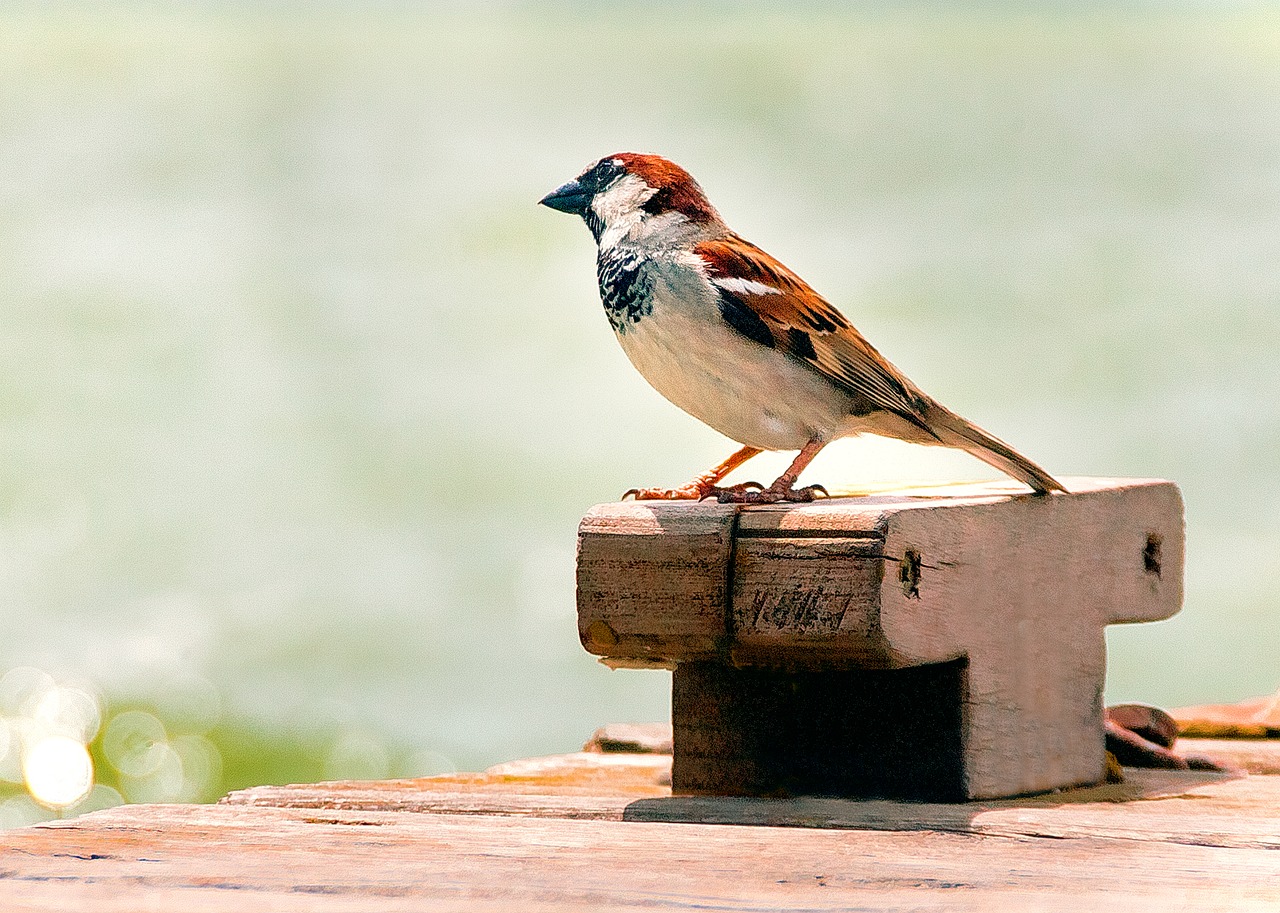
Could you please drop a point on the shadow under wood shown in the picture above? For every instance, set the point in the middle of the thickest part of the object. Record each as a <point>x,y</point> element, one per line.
<point>890,815</point>
<point>850,734</point>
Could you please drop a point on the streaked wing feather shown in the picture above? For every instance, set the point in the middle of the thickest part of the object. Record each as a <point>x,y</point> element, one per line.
<point>752,280</point>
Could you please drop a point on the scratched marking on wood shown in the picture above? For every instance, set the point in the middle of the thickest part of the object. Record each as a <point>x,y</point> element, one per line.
<point>843,574</point>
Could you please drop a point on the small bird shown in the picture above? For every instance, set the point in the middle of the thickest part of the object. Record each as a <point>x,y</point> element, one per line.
<point>740,342</point>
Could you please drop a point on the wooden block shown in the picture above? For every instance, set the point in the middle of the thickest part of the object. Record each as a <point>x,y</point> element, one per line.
<point>1019,587</point>
<point>653,584</point>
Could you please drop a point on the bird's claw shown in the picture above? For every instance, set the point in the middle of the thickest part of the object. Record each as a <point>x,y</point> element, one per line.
<point>730,494</point>
<point>695,491</point>
<point>742,493</point>
<point>774,494</point>
<point>690,492</point>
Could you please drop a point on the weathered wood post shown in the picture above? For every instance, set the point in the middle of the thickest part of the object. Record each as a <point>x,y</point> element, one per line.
<point>940,644</point>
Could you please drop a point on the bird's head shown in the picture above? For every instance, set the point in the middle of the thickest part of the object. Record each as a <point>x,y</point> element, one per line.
<point>630,194</point>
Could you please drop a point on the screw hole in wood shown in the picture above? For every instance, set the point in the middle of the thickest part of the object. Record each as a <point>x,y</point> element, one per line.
<point>1151,554</point>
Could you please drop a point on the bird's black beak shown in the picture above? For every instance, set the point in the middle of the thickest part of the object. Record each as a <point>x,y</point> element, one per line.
<point>572,198</point>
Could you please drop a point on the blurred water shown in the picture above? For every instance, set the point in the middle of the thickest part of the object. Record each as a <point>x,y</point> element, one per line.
<point>301,396</point>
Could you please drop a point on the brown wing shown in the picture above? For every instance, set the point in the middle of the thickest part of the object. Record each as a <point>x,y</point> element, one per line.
<point>767,302</point>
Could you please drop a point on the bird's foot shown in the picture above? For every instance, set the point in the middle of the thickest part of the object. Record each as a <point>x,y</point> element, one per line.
<point>697,490</point>
<point>737,494</point>
<point>777,492</point>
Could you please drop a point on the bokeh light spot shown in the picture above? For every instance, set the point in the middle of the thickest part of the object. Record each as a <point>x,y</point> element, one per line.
<point>20,811</point>
<point>58,771</point>
<point>135,743</point>
<point>23,687</point>
<point>100,797</point>
<point>201,767</point>
<point>163,781</point>
<point>357,756</point>
<point>71,712</point>
<point>6,744</point>
<point>427,763</point>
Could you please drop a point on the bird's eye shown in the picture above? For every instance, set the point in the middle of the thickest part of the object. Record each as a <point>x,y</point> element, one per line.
<point>605,173</point>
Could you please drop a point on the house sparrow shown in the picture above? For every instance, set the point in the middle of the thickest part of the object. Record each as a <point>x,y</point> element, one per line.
<point>737,340</point>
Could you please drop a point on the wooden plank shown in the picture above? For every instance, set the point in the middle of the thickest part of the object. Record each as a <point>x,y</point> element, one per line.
<point>631,738</point>
<point>1255,756</point>
<point>1115,546</point>
<point>547,834</point>
<point>1092,855</point>
<point>1252,755</point>
<point>579,785</point>
<point>1196,807</point>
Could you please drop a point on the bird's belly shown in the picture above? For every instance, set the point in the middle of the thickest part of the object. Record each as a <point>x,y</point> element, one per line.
<point>748,392</point>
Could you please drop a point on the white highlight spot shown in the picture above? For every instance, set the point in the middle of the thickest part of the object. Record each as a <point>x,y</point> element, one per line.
<point>58,771</point>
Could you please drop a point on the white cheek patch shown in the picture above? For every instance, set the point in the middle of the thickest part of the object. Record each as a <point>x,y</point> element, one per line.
<point>624,198</point>
<point>746,287</point>
<point>619,208</point>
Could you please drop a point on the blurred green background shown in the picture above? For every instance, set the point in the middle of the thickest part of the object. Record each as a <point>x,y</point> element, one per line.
<point>301,396</point>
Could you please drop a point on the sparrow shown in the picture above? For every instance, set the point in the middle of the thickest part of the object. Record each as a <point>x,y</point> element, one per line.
<point>736,339</point>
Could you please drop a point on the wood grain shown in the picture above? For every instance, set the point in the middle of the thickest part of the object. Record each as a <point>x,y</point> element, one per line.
<point>1161,841</point>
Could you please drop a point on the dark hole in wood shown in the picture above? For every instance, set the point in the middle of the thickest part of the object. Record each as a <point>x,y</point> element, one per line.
<point>909,574</point>
<point>864,733</point>
<point>1151,554</point>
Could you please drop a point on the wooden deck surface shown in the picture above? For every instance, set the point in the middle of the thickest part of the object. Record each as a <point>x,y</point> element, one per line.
<point>591,831</point>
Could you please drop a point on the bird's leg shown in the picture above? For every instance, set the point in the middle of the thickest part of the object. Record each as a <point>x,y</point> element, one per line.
<point>782,489</point>
<point>704,486</point>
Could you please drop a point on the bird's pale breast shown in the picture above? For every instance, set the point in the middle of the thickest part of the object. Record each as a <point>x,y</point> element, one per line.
<point>672,330</point>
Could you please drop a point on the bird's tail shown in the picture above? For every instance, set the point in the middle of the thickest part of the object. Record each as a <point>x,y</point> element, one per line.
<point>955,431</point>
